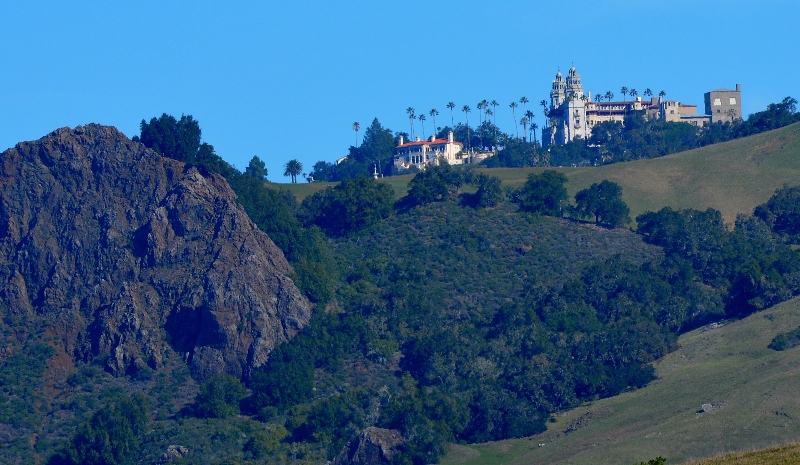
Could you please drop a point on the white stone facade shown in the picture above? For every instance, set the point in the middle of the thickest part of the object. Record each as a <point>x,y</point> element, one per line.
<point>573,114</point>
<point>422,153</point>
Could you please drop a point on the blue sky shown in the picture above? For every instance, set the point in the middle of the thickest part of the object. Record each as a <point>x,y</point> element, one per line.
<point>285,80</point>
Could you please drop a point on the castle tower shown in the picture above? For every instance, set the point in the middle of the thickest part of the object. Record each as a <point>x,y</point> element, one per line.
<point>574,84</point>
<point>724,105</point>
<point>558,92</point>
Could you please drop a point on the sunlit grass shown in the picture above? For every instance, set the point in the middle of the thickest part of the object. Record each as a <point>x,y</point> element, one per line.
<point>787,454</point>
<point>732,177</point>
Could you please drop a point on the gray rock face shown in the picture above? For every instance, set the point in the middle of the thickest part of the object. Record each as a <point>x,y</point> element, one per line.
<point>123,253</point>
<point>375,446</point>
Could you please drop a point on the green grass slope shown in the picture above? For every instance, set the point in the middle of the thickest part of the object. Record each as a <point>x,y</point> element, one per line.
<point>732,177</point>
<point>787,454</point>
<point>751,389</point>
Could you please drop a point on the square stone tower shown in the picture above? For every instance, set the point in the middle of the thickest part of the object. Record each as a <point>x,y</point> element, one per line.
<point>724,105</point>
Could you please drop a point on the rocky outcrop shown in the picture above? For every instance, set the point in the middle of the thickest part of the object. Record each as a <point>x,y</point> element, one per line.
<point>375,446</point>
<point>123,253</point>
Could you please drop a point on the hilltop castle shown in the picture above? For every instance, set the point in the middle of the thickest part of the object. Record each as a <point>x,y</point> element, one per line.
<point>573,114</point>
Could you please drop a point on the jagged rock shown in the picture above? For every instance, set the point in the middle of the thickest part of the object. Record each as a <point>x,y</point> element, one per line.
<point>123,253</point>
<point>173,453</point>
<point>375,446</point>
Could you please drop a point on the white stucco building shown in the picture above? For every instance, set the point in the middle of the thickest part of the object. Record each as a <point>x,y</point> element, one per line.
<point>422,153</point>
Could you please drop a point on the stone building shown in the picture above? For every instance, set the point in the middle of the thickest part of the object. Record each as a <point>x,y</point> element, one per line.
<point>573,113</point>
<point>724,105</point>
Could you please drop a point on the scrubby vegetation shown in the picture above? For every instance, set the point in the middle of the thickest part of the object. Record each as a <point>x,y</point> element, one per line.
<point>461,313</point>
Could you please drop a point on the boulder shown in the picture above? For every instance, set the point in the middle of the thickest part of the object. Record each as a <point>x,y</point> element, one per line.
<point>375,446</point>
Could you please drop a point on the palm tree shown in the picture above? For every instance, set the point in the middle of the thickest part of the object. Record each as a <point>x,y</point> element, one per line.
<point>356,127</point>
<point>489,112</point>
<point>609,95</point>
<point>524,101</point>
<point>513,106</point>
<point>411,117</point>
<point>434,113</point>
<point>421,119</point>
<point>598,97</point>
<point>543,103</point>
<point>529,114</point>
<point>293,168</point>
<point>524,123</point>
<point>662,94</point>
<point>485,104</point>
<point>480,121</point>
<point>534,127</point>
<point>494,105</point>
<point>731,112</point>
<point>647,92</point>
<point>624,91</point>
<point>633,95</point>
<point>466,109</point>
<point>451,105</point>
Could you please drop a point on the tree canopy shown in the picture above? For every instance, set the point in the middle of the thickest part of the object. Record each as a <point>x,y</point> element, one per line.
<point>220,397</point>
<point>112,433</point>
<point>436,183</point>
<point>177,139</point>
<point>544,193</point>
<point>351,205</point>
<point>293,168</point>
<point>257,169</point>
<point>782,212</point>
<point>603,201</point>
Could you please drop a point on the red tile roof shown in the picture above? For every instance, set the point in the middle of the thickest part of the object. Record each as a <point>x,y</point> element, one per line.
<point>427,142</point>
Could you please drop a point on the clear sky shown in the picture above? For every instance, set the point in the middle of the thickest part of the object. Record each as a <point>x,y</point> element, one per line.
<point>285,80</point>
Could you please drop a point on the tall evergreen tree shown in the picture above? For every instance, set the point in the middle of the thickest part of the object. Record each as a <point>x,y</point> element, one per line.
<point>256,169</point>
<point>176,139</point>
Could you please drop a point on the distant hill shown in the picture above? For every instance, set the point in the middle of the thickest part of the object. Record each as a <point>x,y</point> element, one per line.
<point>732,177</point>
<point>748,392</point>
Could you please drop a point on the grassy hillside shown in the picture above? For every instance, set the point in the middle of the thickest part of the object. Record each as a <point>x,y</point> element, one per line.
<point>750,388</point>
<point>780,455</point>
<point>732,177</point>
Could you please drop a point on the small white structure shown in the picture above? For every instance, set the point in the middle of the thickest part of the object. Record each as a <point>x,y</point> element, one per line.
<point>422,153</point>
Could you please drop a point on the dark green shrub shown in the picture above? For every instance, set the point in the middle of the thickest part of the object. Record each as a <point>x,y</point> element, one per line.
<point>220,397</point>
